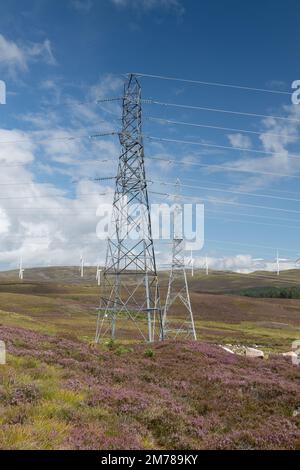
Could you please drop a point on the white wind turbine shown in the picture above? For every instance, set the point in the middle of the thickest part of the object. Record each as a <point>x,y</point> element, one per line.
<point>278,262</point>
<point>191,262</point>
<point>206,266</point>
<point>81,266</point>
<point>98,275</point>
<point>21,270</point>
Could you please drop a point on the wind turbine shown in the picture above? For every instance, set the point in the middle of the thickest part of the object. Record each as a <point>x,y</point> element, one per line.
<point>278,262</point>
<point>206,266</point>
<point>191,262</point>
<point>21,270</point>
<point>98,275</point>
<point>81,266</point>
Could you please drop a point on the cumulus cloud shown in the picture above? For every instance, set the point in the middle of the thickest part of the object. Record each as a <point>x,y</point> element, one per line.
<point>16,57</point>
<point>242,263</point>
<point>278,138</point>
<point>48,199</point>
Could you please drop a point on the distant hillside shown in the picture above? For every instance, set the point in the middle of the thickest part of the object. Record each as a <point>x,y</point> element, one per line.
<point>231,282</point>
<point>57,274</point>
<point>216,281</point>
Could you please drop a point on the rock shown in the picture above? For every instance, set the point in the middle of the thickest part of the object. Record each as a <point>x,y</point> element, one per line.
<point>227,349</point>
<point>252,352</point>
<point>290,354</point>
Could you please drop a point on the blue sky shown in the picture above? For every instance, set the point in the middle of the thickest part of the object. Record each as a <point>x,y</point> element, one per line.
<point>58,57</point>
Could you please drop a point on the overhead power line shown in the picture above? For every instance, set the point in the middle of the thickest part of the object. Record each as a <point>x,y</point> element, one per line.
<point>231,185</point>
<point>217,110</point>
<point>223,147</point>
<point>221,201</point>
<point>252,245</point>
<point>258,216</point>
<point>91,210</point>
<point>240,221</point>
<point>243,193</point>
<point>108,178</point>
<point>217,84</point>
<point>53,196</point>
<point>267,247</point>
<point>80,103</point>
<point>230,129</point>
<point>222,167</point>
<point>182,184</point>
<point>191,162</point>
<point>236,214</point>
<point>61,139</point>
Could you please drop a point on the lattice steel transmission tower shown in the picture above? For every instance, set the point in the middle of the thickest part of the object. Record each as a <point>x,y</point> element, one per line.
<point>175,322</point>
<point>130,299</point>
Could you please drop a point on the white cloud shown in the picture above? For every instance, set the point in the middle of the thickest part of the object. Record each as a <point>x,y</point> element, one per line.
<point>4,222</point>
<point>16,147</point>
<point>41,51</point>
<point>11,55</point>
<point>106,86</point>
<point>16,57</point>
<point>242,263</point>
<point>51,223</point>
<point>277,137</point>
<point>174,6</point>
<point>239,141</point>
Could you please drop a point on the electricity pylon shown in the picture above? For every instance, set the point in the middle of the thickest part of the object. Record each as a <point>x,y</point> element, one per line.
<point>181,325</point>
<point>130,300</point>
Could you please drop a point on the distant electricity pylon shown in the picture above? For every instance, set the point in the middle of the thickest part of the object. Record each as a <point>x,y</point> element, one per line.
<point>130,300</point>
<point>181,325</point>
